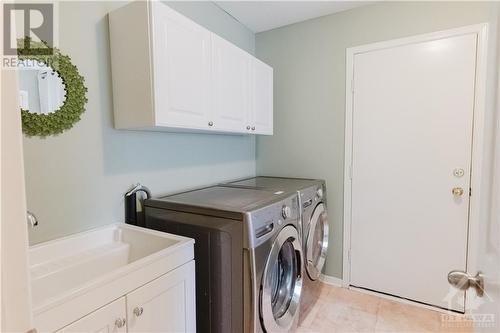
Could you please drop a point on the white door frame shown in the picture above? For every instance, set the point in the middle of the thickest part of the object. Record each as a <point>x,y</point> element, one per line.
<point>477,138</point>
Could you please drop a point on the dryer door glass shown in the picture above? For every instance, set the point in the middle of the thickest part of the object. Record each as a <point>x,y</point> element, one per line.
<point>282,282</point>
<point>317,242</point>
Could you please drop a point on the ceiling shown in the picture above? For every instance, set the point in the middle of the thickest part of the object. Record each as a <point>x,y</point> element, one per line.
<point>260,16</point>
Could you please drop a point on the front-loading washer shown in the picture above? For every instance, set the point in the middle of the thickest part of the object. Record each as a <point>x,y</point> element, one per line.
<point>277,260</point>
<point>314,227</point>
<point>248,255</point>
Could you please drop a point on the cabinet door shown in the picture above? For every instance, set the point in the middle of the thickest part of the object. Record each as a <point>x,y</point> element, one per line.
<point>166,304</point>
<point>262,93</point>
<point>231,86</point>
<point>181,69</point>
<point>109,318</point>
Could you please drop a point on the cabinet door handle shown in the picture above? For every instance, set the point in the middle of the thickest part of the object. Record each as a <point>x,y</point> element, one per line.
<point>120,322</point>
<point>138,311</point>
<point>210,123</point>
<point>248,127</point>
<point>253,128</point>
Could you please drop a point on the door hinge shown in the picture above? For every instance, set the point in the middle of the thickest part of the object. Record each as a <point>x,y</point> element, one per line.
<point>470,192</point>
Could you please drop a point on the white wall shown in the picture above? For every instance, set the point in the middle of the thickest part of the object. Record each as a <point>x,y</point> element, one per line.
<point>309,68</point>
<point>76,181</point>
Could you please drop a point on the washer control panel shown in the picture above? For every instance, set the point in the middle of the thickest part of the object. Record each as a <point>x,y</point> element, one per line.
<point>265,222</point>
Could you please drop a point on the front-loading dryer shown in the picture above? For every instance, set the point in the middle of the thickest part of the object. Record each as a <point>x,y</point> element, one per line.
<point>314,227</point>
<point>315,240</point>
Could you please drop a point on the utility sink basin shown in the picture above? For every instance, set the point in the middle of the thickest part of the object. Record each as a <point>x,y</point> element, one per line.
<point>72,266</point>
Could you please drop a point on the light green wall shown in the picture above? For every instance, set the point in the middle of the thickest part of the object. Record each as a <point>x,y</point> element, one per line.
<point>309,81</point>
<point>76,181</point>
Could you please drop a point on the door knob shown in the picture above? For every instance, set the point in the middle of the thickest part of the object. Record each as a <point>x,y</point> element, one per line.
<point>463,281</point>
<point>457,191</point>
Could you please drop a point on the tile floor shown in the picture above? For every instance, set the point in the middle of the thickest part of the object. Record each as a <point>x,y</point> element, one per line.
<point>343,310</point>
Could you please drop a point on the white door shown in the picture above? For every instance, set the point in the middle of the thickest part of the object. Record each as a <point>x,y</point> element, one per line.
<point>14,273</point>
<point>231,86</point>
<point>166,304</point>
<point>411,146</point>
<point>181,60</point>
<point>262,104</point>
<point>110,318</point>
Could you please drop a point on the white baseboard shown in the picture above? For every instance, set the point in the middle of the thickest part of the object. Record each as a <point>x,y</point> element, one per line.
<point>331,280</point>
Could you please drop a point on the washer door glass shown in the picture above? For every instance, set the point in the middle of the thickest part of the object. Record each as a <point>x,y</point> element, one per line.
<point>317,242</point>
<point>282,282</point>
<point>283,274</point>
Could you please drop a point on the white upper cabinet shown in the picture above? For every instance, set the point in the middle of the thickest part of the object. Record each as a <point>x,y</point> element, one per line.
<point>169,73</point>
<point>181,62</point>
<point>262,94</point>
<point>231,86</point>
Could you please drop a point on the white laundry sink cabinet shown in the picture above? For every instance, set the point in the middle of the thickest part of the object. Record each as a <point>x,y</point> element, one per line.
<point>118,278</point>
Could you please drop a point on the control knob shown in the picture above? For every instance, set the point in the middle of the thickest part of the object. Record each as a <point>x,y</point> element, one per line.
<point>319,193</point>
<point>286,211</point>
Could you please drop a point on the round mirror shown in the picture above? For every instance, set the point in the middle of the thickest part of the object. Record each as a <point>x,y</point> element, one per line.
<point>41,89</point>
<point>52,92</point>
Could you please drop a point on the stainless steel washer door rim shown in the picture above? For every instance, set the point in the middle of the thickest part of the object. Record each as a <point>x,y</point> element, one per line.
<point>317,242</point>
<point>282,282</point>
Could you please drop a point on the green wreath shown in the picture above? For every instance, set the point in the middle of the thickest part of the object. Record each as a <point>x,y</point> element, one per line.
<point>75,91</point>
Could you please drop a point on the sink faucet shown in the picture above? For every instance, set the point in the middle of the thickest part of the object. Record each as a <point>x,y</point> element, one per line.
<point>132,216</point>
<point>31,219</point>
<point>139,188</point>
